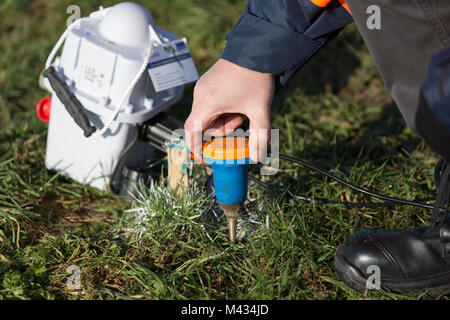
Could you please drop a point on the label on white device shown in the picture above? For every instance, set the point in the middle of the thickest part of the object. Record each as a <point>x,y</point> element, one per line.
<point>171,65</point>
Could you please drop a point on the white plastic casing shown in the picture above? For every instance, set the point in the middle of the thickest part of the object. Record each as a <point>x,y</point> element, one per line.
<point>99,60</point>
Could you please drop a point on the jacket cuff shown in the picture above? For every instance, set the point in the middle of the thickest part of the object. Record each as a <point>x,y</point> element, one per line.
<point>260,45</point>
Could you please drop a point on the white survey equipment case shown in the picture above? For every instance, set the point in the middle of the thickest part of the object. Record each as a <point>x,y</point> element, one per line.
<point>100,58</point>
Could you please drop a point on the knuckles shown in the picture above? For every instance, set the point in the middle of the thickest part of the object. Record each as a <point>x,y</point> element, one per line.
<point>204,94</point>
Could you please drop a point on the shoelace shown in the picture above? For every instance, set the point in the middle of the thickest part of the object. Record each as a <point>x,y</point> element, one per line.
<point>442,204</point>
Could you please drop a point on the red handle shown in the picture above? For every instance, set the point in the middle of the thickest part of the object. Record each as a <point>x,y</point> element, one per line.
<point>43,109</point>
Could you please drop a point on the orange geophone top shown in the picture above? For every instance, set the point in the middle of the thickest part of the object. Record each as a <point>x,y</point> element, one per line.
<point>226,148</point>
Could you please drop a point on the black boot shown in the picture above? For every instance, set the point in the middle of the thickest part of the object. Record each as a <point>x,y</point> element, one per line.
<point>413,260</point>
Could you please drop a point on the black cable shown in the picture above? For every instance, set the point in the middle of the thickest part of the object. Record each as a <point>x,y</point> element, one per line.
<point>352,186</point>
<point>326,201</point>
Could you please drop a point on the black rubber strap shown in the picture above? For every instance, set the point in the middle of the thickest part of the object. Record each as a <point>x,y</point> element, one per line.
<point>70,101</point>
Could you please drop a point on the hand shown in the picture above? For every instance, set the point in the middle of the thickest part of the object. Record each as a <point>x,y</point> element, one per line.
<point>223,97</point>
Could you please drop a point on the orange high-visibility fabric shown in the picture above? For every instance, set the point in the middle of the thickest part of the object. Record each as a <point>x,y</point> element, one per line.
<point>324,3</point>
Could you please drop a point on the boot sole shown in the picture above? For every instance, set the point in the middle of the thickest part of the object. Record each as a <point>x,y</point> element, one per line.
<point>354,278</point>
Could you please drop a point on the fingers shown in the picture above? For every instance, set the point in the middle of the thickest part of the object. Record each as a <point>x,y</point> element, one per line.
<point>222,126</point>
<point>259,136</point>
<point>226,124</point>
<point>203,122</point>
<point>194,127</point>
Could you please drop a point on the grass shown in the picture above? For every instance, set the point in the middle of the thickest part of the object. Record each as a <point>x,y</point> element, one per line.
<point>336,113</point>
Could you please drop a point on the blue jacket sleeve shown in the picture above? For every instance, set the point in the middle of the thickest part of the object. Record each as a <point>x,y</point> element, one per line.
<point>280,36</point>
